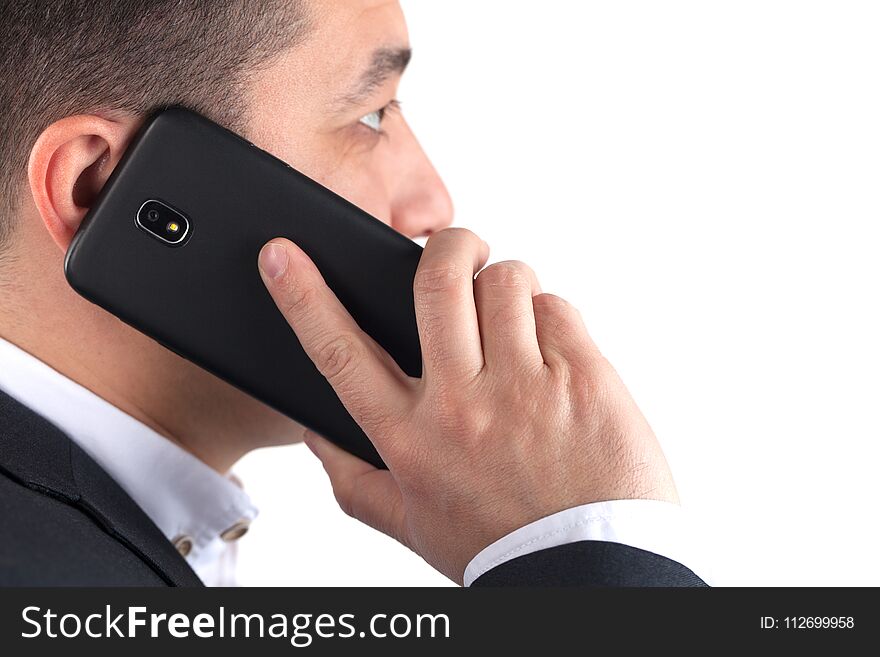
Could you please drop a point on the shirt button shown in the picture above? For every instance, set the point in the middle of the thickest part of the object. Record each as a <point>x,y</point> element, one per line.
<point>237,530</point>
<point>183,544</point>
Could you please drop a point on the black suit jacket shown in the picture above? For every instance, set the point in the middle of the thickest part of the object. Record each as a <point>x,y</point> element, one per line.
<point>66,522</point>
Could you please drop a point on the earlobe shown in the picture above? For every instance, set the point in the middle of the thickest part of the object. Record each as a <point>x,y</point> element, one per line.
<point>68,166</point>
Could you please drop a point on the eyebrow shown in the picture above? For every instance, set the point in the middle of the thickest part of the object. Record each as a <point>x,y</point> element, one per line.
<point>384,63</point>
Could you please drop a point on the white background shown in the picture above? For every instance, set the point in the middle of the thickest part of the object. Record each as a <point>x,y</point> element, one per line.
<point>702,179</point>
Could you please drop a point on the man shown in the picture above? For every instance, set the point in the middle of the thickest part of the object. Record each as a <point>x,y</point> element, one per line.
<point>518,457</point>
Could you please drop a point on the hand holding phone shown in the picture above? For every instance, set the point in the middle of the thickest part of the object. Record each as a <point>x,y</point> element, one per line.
<point>516,416</point>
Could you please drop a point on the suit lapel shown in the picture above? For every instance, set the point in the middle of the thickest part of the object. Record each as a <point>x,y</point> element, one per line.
<point>42,457</point>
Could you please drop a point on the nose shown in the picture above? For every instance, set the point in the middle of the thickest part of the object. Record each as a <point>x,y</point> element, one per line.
<point>421,204</point>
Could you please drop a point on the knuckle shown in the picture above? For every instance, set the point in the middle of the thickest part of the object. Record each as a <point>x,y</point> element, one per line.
<point>507,274</point>
<point>560,317</point>
<point>551,304</point>
<point>338,357</point>
<point>439,277</point>
<point>460,428</point>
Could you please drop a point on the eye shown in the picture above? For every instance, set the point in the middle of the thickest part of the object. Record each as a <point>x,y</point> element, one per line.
<point>374,120</point>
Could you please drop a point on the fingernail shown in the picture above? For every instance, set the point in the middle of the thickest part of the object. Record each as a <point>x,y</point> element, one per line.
<point>273,260</point>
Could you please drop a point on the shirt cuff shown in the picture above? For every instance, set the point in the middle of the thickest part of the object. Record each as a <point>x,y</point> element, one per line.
<point>659,527</point>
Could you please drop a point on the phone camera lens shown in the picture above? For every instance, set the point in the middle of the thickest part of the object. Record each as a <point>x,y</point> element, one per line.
<point>164,222</point>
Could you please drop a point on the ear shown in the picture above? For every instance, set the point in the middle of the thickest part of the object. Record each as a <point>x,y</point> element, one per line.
<point>68,166</point>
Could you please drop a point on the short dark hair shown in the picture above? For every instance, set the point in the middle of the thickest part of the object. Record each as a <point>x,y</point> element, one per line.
<point>64,57</point>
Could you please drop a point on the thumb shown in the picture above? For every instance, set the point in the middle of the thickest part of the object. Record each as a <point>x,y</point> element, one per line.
<point>362,491</point>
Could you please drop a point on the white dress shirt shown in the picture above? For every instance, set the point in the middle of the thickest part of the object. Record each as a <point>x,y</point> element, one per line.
<point>192,504</point>
<point>202,512</point>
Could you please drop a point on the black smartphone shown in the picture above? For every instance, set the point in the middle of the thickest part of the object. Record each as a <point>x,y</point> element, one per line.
<point>171,244</point>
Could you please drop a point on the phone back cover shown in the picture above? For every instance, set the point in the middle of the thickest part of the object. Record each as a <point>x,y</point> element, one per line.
<point>205,299</point>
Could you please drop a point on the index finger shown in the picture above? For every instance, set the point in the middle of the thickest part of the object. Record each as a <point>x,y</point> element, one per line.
<point>368,382</point>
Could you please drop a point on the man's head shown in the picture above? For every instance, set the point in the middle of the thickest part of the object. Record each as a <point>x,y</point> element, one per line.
<point>313,82</point>
<point>67,57</point>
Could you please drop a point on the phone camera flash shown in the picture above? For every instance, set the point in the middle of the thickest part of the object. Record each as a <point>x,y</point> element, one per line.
<point>163,222</point>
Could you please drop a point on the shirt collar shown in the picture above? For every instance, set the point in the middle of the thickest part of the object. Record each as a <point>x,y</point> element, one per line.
<point>183,496</point>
